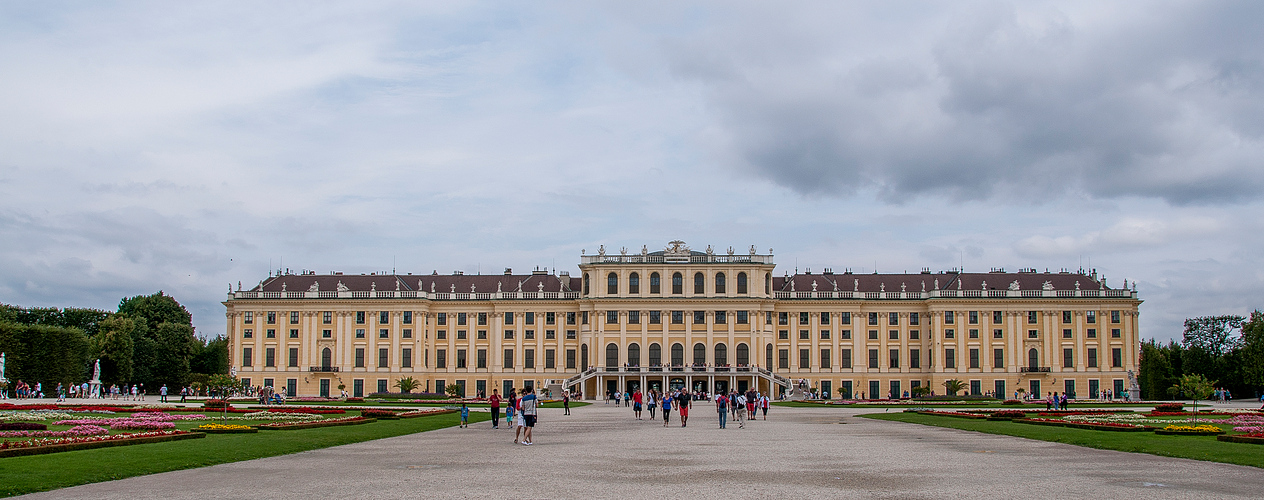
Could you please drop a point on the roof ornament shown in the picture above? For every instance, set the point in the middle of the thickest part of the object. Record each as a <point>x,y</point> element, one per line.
<point>238,285</point>
<point>498,287</point>
<point>342,287</point>
<point>539,287</point>
<point>315,287</point>
<point>1077,286</point>
<point>903,288</point>
<point>882,287</point>
<point>813,285</point>
<point>1015,286</point>
<point>471,288</point>
<point>373,286</point>
<point>1134,285</point>
<point>985,285</point>
<point>453,288</point>
<point>1102,285</point>
<point>855,285</point>
<point>283,284</point>
<point>1125,283</point>
<point>1048,285</point>
<point>601,251</point>
<point>676,248</point>
<point>230,287</point>
<point>730,250</point>
<point>519,285</point>
<point>623,251</point>
<point>752,250</point>
<point>936,283</point>
<point>923,286</point>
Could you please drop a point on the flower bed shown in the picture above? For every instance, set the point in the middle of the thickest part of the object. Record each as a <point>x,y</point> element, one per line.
<point>957,414</point>
<point>225,429</point>
<point>286,426</point>
<point>1006,415</point>
<point>300,409</point>
<point>1210,414</point>
<point>1257,438</point>
<point>1169,407</point>
<point>78,430</point>
<point>380,414</point>
<point>424,411</point>
<point>1098,426</point>
<point>54,445</point>
<point>1189,430</point>
<point>22,426</point>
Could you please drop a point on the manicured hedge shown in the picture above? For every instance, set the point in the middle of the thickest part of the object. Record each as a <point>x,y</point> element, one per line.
<point>1241,439</point>
<point>57,448</point>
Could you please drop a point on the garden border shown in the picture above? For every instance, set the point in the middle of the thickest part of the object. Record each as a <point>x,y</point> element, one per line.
<point>57,448</point>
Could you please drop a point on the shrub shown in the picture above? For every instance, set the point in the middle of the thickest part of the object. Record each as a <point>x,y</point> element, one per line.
<point>1012,402</point>
<point>378,414</point>
<point>1169,407</point>
<point>1009,414</point>
<point>216,404</point>
<point>22,426</point>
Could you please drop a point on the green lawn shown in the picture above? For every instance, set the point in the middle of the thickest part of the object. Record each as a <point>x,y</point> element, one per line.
<point>1195,447</point>
<point>58,470</point>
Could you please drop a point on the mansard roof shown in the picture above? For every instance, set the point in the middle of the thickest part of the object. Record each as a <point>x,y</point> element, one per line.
<point>482,283</point>
<point>914,282</point>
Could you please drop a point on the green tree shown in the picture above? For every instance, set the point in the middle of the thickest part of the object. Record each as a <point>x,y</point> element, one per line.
<point>953,386</point>
<point>407,384</point>
<point>210,356</point>
<point>1196,387</point>
<point>453,390</point>
<point>1253,350</point>
<point>156,309</point>
<point>113,346</point>
<point>173,347</point>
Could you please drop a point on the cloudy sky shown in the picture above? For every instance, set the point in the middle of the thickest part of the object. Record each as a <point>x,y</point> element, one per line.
<point>185,146</point>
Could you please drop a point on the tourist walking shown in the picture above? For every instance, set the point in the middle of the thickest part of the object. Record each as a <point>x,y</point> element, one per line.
<point>566,403</point>
<point>683,401</point>
<point>494,402</point>
<point>529,404</point>
<point>667,404</point>
<point>162,393</point>
<point>741,410</point>
<point>763,405</point>
<point>651,402</point>
<point>465,416</point>
<point>722,407</point>
<point>636,403</point>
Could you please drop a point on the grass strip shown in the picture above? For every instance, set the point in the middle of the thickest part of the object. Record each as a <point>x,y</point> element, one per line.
<point>30,474</point>
<point>1205,448</point>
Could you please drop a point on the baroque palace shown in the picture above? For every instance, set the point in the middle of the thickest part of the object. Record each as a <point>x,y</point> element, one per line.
<point>683,318</point>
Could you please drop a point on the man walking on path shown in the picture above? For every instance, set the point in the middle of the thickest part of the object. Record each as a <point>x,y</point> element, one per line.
<point>528,403</point>
<point>566,403</point>
<point>722,407</point>
<point>162,393</point>
<point>636,403</point>
<point>682,403</point>
<point>494,402</point>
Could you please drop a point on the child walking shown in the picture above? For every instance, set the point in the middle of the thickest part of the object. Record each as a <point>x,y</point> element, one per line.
<point>465,415</point>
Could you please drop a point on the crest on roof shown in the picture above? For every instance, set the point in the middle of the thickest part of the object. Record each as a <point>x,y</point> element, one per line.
<point>676,248</point>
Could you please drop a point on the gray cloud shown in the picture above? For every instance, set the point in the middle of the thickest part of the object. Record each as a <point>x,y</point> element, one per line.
<point>1025,102</point>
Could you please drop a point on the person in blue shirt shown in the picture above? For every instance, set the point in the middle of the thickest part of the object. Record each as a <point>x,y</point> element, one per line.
<point>667,404</point>
<point>465,416</point>
<point>529,405</point>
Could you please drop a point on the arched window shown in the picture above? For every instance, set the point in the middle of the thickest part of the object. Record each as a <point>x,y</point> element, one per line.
<point>585,283</point>
<point>719,283</point>
<point>768,357</point>
<point>612,284</point>
<point>634,354</point>
<point>634,283</point>
<point>721,354</point>
<point>699,354</point>
<point>656,354</point>
<point>612,355</point>
<point>743,355</point>
<point>326,358</point>
<point>655,283</point>
<point>768,284</point>
<point>583,357</point>
<point>699,283</point>
<point>1033,358</point>
<point>741,283</point>
<point>678,284</point>
<point>678,354</point>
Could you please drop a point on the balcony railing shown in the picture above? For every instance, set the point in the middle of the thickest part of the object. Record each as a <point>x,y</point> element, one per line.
<point>676,259</point>
<point>323,369</point>
<point>848,294</point>
<point>403,294</point>
<point>1035,369</point>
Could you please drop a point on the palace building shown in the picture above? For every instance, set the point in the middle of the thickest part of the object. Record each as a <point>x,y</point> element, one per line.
<point>683,318</point>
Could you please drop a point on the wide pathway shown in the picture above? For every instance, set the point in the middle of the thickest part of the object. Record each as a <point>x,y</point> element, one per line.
<point>600,451</point>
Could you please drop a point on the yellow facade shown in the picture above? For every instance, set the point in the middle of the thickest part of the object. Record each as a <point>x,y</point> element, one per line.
<point>686,318</point>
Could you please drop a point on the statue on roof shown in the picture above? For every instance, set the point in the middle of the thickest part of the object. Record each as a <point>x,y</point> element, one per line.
<point>644,250</point>
<point>396,285</point>
<point>791,284</point>
<point>710,251</point>
<point>498,287</point>
<point>676,248</point>
<point>984,285</point>
<point>855,285</point>
<point>730,251</point>
<point>936,283</point>
<point>373,286</point>
<point>453,288</point>
<point>752,250</point>
<point>958,282</point>
<point>540,287</point>
<point>623,251</point>
<point>283,286</point>
<point>1048,285</point>
<point>315,287</point>
<point>1015,286</point>
<point>903,287</point>
<point>882,287</point>
<point>471,288</point>
<point>923,286</point>
<point>519,285</point>
<point>601,251</point>
<point>813,285</point>
<point>1077,286</point>
<point>342,287</point>
<point>835,282</point>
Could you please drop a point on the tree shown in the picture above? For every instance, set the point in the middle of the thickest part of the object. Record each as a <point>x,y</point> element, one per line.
<point>407,384</point>
<point>113,346</point>
<point>210,356</point>
<point>156,309</point>
<point>222,386</point>
<point>921,390</point>
<point>453,390</point>
<point>173,347</point>
<point>843,393</point>
<point>1196,387</point>
<point>953,386</point>
<point>1253,350</point>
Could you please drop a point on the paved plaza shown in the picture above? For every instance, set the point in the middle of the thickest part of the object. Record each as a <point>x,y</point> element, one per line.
<point>600,451</point>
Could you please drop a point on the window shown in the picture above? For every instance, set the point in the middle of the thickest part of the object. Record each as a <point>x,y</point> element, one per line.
<point>528,334</point>
<point>743,355</point>
<point>893,319</point>
<point>550,359</point>
<point>585,283</point>
<point>1091,333</point>
<point>783,318</point>
<point>269,357</point>
<point>846,360</point>
<point>550,318</point>
<point>294,317</point>
<point>844,334</point>
<point>743,317</point>
<point>1066,316</point>
<point>678,284</point>
<point>570,335</point>
<point>1115,333</point>
<point>1032,317</point>
<point>1114,316</point>
<point>382,385</point>
<point>656,317</point>
<point>844,318</point>
<point>1033,334</point>
<point>677,354</point>
<point>570,318</point>
<point>699,284</point>
<point>460,318</point>
<point>1068,358</point>
<point>825,334</point>
<point>719,283</point>
<point>384,360</point>
<point>721,317</point>
<point>949,333</point>
<point>509,334</point>
<point>359,318</point>
<point>873,358</point>
<point>950,317</point>
<point>249,317</point>
<point>974,358</point>
<point>873,335</point>
<point>508,359</point>
<point>247,356</point>
<point>406,357</point>
<point>805,335</point>
<point>550,334</point>
<point>783,334</point>
<point>359,357</point>
<point>974,317</point>
<point>408,318</point>
<point>291,386</point>
<point>383,333</point>
<point>612,317</point>
<point>783,359</point>
<point>741,283</point>
<point>895,358</point>
<point>612,355</point>
<point>408,333</point>
<point>570,359</point>
<point>1116,358</point>
<point>678,317</point>
<point>655,285</point>
<point>509,317</point>
<point>482,319</point>
<point>359,333</point>
<point>998,333</point>
<point>998,358</point>
<point>441,334</point>
<point>528,358</point>
<point>612,284</point>
<point>1092,357</point>
<point>767,283</point>
<point>699,354</point>
<point>915,334</point>
<point>460,335</point>
<point>805,359</point>
<point>271,317</point>
<point>1066,333</point>
<point>293,361</point>
<point>915,358</point>
<point>825,318</point>
<point>1033,358</point>
<point>873,319</point>
<point>721,355</point>
<point>383,317</point>
<point>974,333</point>
<point>634,283</point>
<point>441,319</point>
<point>441,357</point>
<point>271,333</point>
<point>950,358</point>
<point>914,319</point>
<point>803,318</point>
<point>248,333</point>
<point>1090,317</point>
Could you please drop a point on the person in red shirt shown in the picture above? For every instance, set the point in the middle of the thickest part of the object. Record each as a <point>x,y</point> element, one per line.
<point>636,403</point>
<point>494,401</point>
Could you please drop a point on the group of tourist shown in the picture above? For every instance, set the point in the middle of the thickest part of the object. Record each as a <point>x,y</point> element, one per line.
<point>520,412</point>
<point>1223,396</point>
